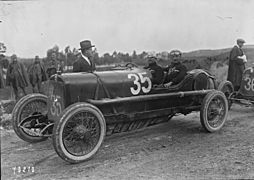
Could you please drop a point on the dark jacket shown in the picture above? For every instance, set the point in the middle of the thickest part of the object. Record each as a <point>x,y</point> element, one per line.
<point>16,75</point>
<point>37,76</point>
<point>236,66</point>
<point>177,74</point>
<point>81,65</point>
<point>157,73</point>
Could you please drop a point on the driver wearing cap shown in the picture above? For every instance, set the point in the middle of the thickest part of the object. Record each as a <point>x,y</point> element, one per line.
<point>176,71</point>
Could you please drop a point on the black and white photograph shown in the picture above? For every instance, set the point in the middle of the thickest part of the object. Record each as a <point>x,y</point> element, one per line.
<point>126,89</point>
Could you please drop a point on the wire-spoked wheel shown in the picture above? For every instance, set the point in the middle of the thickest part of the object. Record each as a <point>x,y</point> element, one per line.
<point>32,107</point>
<point>79,133</point>
<point>214,111</point>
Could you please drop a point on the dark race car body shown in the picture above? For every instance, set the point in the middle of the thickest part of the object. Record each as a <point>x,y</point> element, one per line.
<point>247,85</point>
<point>245,95</point>
<point>81,108</point>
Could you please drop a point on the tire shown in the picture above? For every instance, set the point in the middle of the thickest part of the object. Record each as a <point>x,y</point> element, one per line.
<point>227,88</point>
<point>18,110</point>
<point>214,111</point>
<point>79,133</point>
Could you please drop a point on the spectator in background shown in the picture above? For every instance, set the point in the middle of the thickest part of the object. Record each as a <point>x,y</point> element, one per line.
<point>237,61</point>
<point>4,63</point>
<point>85,62</point>
<point>156,70</point>
<point>2,84</point>
<point>37,74</point>
<point>53,65</point>
<point>176,71</point>
<point>16,76</point>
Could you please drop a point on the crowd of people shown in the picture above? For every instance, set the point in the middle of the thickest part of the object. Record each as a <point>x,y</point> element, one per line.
<point>173,74</point>
<point>18,77</point>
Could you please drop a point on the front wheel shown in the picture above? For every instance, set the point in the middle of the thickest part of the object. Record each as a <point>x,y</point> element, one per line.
<point>79,133</point>
<point>214,111</point>
<point>31,107</point>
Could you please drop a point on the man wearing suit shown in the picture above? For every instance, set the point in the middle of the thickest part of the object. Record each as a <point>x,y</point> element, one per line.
<point>237,61</point>
<point>85,62</point>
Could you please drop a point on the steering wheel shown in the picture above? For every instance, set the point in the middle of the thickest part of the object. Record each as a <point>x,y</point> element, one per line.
<point>131,65</point>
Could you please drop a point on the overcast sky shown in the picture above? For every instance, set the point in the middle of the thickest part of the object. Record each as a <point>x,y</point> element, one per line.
<point>30,28</point>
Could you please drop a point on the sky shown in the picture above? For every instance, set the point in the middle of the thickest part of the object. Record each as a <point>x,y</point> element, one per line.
<point>29,28</point>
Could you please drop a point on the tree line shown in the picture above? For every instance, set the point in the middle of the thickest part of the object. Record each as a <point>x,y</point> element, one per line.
<point>69,55</point>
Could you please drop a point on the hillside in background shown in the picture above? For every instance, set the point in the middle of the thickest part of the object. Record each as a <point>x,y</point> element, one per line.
<point>215,61</point>
<point>213,52</point>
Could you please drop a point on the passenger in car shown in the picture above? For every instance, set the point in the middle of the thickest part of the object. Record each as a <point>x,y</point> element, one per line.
<point>176,71</point>
<point>156,70</point>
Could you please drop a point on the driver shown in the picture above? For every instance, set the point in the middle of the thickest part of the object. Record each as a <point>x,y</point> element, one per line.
<point>176,71</point>
<point>156,70</point>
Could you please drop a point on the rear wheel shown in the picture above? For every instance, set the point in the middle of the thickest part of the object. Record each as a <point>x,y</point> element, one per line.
<point>79,133</point>
<point>32,105</point>
<point>227,88</point>
<point>214,111</point>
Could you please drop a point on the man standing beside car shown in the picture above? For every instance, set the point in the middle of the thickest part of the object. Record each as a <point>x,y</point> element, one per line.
<point>236,66</point>
<point>17,76</point>
<point>37,74</point>
<point>85,62</point>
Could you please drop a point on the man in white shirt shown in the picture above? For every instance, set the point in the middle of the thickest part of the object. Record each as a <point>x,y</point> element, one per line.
<point>85,62</point>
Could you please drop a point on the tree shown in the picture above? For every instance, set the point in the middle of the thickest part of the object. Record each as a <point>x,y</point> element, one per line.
<point>2,48</point>
<point>134,55</point>
<point>97,59</point>
<point>55,49</point>
<point>107,58</point>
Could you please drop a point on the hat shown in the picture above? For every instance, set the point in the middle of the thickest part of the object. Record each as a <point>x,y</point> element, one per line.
<point>175,53</point>
<point>14,56</point>
<point>86,44</point>
<point>240,41</point>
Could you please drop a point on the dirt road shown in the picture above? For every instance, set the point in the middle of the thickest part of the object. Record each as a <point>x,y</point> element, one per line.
<point>179,149</point>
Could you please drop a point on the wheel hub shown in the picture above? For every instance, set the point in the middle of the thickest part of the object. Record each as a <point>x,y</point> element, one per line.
<point>81,130</point>
<point>215,113</point>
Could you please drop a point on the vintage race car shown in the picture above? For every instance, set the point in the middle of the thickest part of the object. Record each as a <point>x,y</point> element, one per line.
<point>245,95</point>
<point>82,108</point>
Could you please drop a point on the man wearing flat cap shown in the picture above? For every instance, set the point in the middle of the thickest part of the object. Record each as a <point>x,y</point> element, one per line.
<point>85,62</point>
<point>237,61</point>
<point>176,71</point>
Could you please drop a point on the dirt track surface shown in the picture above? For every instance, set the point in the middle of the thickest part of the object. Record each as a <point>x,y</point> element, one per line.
<point>179,149</point>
